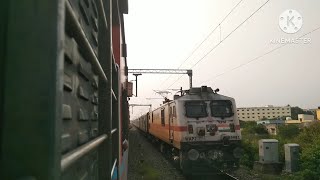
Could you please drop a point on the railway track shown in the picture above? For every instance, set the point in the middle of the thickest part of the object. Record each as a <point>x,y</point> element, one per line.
<point>229,176</point>
<point>222,176</point>
<point>198,176</point>
<point>210,176</point>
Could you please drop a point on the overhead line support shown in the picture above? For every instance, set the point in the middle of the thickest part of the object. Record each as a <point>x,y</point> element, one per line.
<point>136,72</point>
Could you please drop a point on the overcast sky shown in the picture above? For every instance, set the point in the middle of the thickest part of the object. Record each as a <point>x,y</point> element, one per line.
<point>163,34</point>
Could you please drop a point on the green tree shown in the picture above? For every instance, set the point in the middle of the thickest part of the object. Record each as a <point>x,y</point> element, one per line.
<point>309,140</point>
<point>288,131</point>
<point>309,135</point>
<point>260,129</point>
<point>253,128</point>
<point>296,110</point>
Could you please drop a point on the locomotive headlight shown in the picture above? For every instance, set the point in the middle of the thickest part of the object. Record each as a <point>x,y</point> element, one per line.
<point>193,154</point>
<point>237,152</point>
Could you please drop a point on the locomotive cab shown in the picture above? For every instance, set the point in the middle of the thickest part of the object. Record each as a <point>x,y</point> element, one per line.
<point>199,129</point>
<point>212,136</point>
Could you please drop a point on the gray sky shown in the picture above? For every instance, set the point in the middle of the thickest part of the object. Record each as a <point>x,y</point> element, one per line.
<point>163,33</point>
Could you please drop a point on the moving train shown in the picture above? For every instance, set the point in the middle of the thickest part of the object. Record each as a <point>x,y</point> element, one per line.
<point>63,96</point>
<point>199,129</point>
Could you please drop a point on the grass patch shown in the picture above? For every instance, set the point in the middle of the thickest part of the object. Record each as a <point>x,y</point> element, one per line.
<point>148,172</point>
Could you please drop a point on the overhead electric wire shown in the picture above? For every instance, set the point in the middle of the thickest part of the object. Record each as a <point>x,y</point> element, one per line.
<point>175,81</point>
<point>211,33</point>
<point>224,38</point>
<point>206,38</point>
<point>229,34</point>
<point>258,57</point>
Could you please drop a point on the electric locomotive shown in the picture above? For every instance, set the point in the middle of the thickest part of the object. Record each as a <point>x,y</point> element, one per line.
<point>199,129</point>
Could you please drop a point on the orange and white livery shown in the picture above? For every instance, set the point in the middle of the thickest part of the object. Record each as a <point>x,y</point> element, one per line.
<point>199,129</point>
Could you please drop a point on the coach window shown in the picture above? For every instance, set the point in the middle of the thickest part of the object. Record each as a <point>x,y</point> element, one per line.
<point>162,117</point>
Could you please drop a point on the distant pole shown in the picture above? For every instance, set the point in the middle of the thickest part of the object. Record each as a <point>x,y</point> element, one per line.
<point>138,74</point>
<point>136,85</point>
<point>189,72</point>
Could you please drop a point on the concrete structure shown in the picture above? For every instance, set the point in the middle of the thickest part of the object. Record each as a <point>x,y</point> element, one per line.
<point>318,113</point>
<point>302,117</point>
<point>272,128</point>
<point>271,125</point>
<point>260,113</point>
<point>291,152</point>
<point>271,122</point>
<point>268,151</point>
<point>268,157</point>
<point>298,121</point>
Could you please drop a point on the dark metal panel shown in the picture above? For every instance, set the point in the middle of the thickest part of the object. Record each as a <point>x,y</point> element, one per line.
<point>57,100</point>
<point>117,144</point>
<point>33,90</point>
<point>85,73</point>
<point>4,7</point>
<point>76,30</point>
<point>105,95</point>
<point>123,6</point>
<point>86,11</point>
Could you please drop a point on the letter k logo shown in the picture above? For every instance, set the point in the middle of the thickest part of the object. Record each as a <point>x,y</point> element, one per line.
<point>290,21</point>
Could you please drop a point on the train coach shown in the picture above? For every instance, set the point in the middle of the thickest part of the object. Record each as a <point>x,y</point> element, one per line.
<point>199,129</point>
<point>63,96</point>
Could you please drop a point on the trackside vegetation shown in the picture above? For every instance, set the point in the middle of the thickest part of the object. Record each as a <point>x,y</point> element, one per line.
<point>308,137</point>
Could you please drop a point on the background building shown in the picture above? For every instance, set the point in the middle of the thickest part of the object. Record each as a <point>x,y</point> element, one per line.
<point>263,113</point>
<point>263,122</point>
<point>305,117</point>
<point>318,113</point>
<point>272,128</point>
<point>302,118</point>
<point>271,125</point>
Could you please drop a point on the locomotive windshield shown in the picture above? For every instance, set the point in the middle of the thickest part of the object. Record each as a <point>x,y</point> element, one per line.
<point>221,108</point>
<point>196,109</point>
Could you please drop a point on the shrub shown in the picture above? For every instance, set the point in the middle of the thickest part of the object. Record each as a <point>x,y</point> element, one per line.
<point>309,140</point>
<point>288,131</point>
<point>250,153</point>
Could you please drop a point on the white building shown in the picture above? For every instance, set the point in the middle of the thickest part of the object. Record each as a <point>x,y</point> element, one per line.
<point>260,113</point>
<point>302,117</point>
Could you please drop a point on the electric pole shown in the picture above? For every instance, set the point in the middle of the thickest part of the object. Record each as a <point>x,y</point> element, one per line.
<point>138,72</point>
<point>136,75</point>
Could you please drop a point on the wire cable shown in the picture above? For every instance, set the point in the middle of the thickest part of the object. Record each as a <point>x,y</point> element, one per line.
<point>229,34</point>
<point>258,57</point>
<point>225,38</point>
<point>211,33</point>
<point>206,38</point>
<point>175,81</point>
